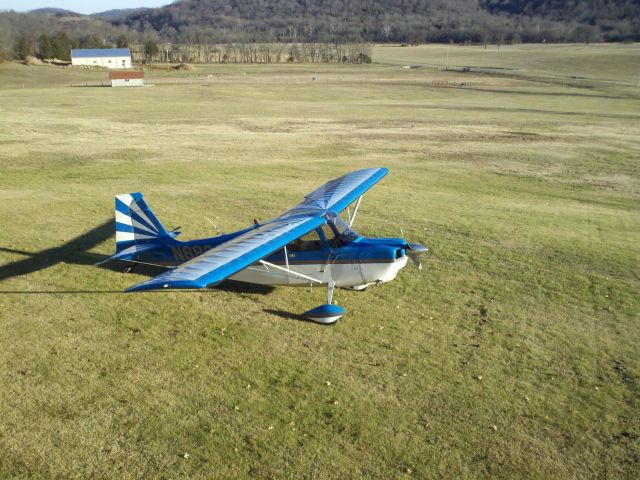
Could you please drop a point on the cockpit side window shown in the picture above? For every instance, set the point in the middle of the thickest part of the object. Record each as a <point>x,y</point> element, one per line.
<point>345,233</point>
<point>310,241</point>
<point>330,236</point>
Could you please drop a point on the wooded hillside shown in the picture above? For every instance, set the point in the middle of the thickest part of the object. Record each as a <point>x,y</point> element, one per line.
<point>202,22</point>
<point>414,21</point>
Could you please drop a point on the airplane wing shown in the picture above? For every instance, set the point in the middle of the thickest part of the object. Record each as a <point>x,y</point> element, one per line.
<point>221,262</point>
<point>338,194</point>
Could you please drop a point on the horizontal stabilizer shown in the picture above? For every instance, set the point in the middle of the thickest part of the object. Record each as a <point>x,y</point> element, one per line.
<point>130,252</point>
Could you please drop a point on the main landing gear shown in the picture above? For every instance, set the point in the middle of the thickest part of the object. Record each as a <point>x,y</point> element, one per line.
<point>327,313</point>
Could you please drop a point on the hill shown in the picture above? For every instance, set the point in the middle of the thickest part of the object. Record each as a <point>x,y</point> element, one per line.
<point>117,13</point>
<point>415,21</point>
<point>58,12</point>
<point>330,21</point>
<point>616,19</point>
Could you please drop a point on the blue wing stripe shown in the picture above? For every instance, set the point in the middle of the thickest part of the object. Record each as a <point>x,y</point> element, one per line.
<point>340,201</point>
<point>231,257</point>
<point>338,194</point>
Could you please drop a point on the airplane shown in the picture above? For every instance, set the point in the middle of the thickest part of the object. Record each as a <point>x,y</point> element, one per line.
<point>307,244</point>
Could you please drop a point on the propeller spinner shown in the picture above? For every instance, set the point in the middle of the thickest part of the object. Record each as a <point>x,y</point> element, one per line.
<point>414,250</point>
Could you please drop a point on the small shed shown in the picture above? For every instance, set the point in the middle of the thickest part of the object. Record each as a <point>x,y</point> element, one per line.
<point>127,79</point>
<point>101,57</point>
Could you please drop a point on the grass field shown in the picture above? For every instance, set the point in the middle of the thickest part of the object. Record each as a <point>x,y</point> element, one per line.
<point>619,63</point>
<point>514,354</point>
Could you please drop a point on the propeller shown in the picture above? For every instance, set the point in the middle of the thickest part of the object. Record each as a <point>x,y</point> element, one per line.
<point>414,250</point>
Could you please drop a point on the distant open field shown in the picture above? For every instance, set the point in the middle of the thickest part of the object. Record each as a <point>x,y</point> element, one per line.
<point>615,63</point>
<point>513,354</point>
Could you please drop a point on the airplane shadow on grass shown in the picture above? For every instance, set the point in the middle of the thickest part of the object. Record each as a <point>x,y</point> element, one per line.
<point>76,252</point>
<point>288,315</point>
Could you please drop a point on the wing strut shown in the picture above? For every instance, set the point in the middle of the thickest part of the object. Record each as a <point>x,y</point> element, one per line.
<point>292,272</point>
<point>355,211</point>
<point>330,288</point>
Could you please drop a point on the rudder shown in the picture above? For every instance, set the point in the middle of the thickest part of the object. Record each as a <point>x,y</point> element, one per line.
<point>136,224</point>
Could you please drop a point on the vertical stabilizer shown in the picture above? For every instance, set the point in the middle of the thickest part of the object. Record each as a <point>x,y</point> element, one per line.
<point>136,224</point>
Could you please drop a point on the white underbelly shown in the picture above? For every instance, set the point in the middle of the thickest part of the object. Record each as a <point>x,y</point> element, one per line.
<point>264,275</point>
<point>343,274</point>
<point>382,272</point>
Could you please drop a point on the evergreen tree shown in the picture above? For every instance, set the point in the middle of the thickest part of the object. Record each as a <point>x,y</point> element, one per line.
<point>23,48</point>
<point>62,46</point>
<point>45,48</point>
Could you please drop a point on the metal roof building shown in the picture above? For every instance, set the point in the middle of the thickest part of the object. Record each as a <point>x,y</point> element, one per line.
<point>101,57</point>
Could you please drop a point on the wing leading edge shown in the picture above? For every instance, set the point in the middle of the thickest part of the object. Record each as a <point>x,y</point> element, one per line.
<point>229,258</point>
<point>338,194</point>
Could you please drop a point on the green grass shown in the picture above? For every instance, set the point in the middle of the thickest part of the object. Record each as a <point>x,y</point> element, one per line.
<point>513,354</point>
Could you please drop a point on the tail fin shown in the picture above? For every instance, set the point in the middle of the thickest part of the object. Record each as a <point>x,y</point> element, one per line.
<point>135,222</point>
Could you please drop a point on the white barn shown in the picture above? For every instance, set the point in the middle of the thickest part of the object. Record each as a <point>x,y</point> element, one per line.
<point>101,57</point>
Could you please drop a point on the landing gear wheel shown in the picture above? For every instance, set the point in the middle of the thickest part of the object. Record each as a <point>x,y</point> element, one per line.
<point>327,313</point>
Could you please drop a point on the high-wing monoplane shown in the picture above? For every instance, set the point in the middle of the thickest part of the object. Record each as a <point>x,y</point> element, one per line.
<point>308,244</point>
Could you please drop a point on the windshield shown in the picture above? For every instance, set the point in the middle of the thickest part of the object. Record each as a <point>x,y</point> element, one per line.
<point>344,232</point>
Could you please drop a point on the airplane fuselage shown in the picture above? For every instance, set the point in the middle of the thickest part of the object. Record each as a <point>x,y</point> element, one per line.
<point>329,253</point>
<point>361,263</point>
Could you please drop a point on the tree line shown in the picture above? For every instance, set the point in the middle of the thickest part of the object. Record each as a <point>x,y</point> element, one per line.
<point>58,45</point>
<point>308,52</point>
<point>146,49</point>
<point>23,34</point>
<point>249,26</point>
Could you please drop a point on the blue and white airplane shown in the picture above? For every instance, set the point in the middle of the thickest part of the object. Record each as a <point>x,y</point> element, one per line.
<point>308,244</point>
